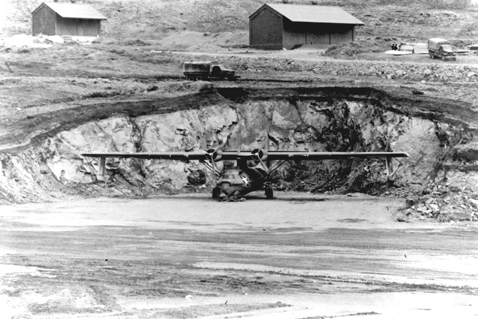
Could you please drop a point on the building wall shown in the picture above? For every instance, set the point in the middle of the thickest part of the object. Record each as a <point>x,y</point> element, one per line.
<point>342,33</point>
<point>294,33</point>
<point>265,30</point>
<point>66,26</point>
<point>77,27</point>
<point>305,33</point>
<point>43,21</point>
<point>315,33</point>
<point>89,28</point>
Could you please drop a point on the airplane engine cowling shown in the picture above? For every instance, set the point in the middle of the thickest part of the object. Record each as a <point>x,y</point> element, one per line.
<point>215,155</point>
<point>260,154</point>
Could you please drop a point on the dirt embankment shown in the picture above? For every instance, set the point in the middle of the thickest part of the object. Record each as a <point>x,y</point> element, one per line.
<point>296,118</point>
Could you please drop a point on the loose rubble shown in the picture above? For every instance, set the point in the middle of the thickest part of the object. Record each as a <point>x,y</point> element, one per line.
<point>435,72</point>
<point>444,203</point>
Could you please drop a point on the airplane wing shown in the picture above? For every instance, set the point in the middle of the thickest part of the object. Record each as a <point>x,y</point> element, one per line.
<point>287,155</point>
<point>273,155</point>
<point>154,155</point>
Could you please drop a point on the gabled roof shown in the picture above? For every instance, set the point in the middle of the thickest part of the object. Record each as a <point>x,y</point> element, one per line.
<point>73,10</point>
<point>311,13</point>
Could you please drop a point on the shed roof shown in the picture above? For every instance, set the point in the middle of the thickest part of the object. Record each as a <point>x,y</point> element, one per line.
<point>73,10</point>
<point>312,13</point>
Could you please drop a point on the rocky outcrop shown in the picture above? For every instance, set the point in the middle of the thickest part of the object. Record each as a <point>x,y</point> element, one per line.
<point>467,153</point>
<point>314,120</point>
<point>434,71</point>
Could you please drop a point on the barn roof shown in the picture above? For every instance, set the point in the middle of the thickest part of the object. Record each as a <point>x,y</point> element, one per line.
<point>312,13</point>
<point>73,10</point>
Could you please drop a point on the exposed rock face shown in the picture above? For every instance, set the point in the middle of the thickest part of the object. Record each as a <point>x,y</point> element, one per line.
<point>178,131</point>
<point>313,123</point>
<point>467,152</point>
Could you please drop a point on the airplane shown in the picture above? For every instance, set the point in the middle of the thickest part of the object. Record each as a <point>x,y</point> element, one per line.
<point>253,168</point>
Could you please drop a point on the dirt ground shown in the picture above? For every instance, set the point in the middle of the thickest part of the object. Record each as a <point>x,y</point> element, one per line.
<point>186,256</point>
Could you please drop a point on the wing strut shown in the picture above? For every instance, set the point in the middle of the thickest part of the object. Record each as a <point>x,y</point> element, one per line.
<point>102,167</point>
<point>211,166</point>
<point>214,169</point>
<point>273,169</point>
<point>389,166</point>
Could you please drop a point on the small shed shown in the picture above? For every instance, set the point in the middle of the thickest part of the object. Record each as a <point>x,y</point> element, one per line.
<point>72,19</point>
<point>276,26</point>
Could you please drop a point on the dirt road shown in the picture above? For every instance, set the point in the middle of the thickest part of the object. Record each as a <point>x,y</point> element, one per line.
<point>187,256</point>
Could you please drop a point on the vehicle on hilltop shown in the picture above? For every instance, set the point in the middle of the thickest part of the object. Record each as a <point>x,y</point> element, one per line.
<point>207,70</point>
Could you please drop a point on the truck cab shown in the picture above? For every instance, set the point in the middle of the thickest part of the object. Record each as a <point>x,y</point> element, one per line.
<point>441,48</point>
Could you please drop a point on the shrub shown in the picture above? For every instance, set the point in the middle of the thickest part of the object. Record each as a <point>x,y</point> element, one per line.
<point>449,4</point>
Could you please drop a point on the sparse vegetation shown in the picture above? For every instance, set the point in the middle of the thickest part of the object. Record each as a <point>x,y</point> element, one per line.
<point>450,4</point>
<point>155,18</point>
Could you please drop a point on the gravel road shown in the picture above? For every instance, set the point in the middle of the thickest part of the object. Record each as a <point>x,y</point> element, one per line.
<point>187,256</point>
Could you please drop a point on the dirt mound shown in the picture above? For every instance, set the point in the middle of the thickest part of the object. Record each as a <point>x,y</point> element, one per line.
<point>205,48</point>
<point>350,49</point>
<point>137,42</point>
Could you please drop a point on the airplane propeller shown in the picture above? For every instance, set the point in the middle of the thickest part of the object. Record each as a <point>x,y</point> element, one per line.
<point>214,154</point>
<point>260,154</point>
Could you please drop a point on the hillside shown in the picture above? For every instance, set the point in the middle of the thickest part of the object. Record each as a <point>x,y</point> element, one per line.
<point>154,19</point>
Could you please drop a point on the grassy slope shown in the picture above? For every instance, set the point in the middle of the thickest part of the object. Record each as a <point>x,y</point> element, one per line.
<point>149,19</point>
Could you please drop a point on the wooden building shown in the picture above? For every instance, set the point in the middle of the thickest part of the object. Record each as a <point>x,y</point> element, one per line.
<point>58,18</point>
<point>276,26</point>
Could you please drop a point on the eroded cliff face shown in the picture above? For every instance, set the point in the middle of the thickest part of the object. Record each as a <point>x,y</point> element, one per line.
<point>55,167</point>
<point>438,137</point>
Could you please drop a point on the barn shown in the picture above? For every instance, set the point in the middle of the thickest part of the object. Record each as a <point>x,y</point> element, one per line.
<point>276,26</point>
<point>66,19</point>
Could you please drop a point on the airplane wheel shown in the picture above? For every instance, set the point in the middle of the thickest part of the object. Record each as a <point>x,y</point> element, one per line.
<point>269,193</point>
<point>198,78</point>
<point>215,193</point>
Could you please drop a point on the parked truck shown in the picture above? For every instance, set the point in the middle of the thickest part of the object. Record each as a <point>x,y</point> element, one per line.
<point>207,70</point>
<point>473,48</point>
<point>441,48</point>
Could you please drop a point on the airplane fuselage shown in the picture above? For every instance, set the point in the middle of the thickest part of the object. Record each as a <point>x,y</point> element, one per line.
<point>236,182</point>
<point>241,180</point>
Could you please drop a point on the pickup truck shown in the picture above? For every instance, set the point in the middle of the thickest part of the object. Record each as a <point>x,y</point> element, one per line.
<point>441,48</point>
<point>473,48</point>
<point>207,70</point>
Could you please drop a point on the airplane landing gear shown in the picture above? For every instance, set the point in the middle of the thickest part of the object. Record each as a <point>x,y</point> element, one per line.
<point>215,193</point>
<point>269,193</point>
